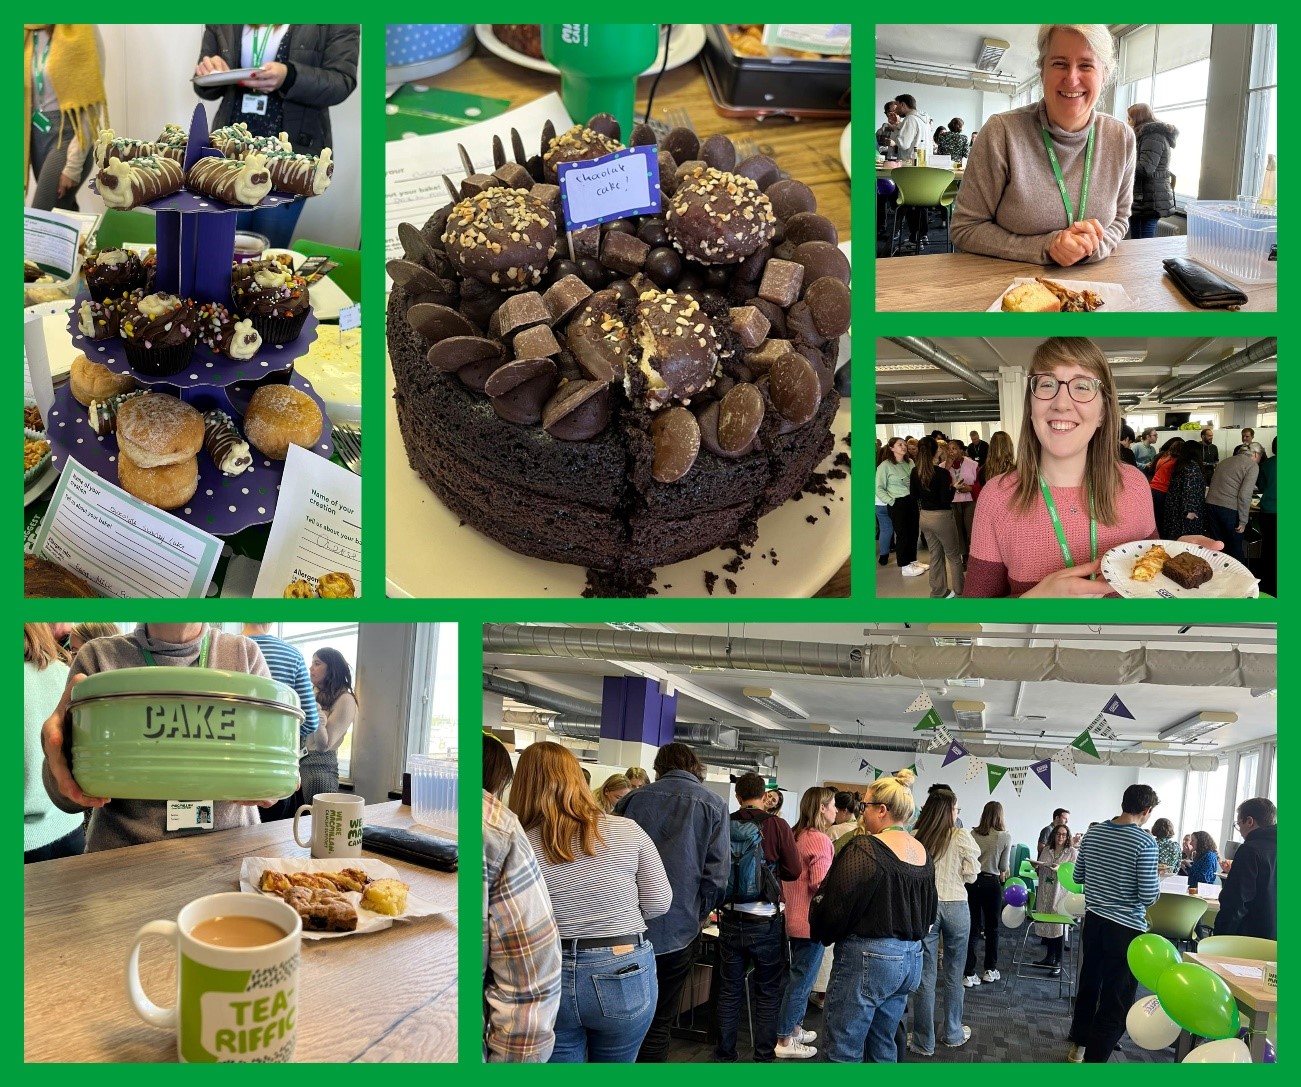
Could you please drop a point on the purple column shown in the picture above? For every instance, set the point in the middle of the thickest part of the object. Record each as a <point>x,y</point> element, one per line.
<point>634,711</point>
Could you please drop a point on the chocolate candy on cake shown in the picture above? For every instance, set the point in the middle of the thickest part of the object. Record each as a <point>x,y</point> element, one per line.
<point>577,144</point>
<point>598,337</point>
<point>678,345</point>
<point>578,410</point>
<point>520,389</point>
<point>502,237</point>
<point>718,218</point>
<point>676,436</point>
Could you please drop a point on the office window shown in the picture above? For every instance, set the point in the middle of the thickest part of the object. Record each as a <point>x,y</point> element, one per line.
<point>308,638</point>
<point>1205,798</point>
<point>1262,108</point>
<point>1141,422</point>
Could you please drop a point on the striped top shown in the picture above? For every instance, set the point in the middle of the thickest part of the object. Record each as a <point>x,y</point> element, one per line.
<point>287,666</point>
<point>995,851</point>
<point>958,866</point>
<point>1117,865</point>
<point>613,893</point>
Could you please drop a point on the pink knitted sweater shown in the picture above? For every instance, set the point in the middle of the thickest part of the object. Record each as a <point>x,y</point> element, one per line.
<point>815,861</point>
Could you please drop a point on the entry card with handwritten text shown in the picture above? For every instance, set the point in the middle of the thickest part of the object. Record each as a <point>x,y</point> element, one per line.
<point>122,546</point>
<point>317,527</point>
<point>611,187</point>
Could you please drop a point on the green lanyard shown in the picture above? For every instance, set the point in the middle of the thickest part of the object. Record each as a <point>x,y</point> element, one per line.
<point>1061,533</point>
<point>896,827</point>
<point>40,67</point>
<point>258,50</point>
<point>202,662</point>
<point>1061,182</point>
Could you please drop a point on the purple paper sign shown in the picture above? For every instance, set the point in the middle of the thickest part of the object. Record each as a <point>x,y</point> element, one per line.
<point>1116,708</point>
<point>1044,770</point>
<point>611,187</point>
<point>956,751</point>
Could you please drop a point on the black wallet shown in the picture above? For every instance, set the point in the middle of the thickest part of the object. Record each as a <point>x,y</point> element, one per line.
<point>422,849</point>
<point>1202,287</point>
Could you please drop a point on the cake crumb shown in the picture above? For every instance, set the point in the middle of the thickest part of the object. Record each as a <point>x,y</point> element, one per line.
<point>835,473</point>
<point>711,579</point>
<point>845,439</point>
<point>731,585</point>
<point>842,460</point>
<point>826,510</point>
<point>811,519</point>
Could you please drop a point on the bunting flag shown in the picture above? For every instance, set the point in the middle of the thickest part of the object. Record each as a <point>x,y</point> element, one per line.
<point>995,775</point>
<point>931,720</point>
<point>1017,774</point>
<point>955,752</point>
<point>1099,727</point>
<point>1116,708</point>
<point>1044,770</point>
<point>1084,742</point>
<point>975,764</point>
<point>876,772</point>
<point>922,748</point>
<point>863,764</point>
<point>1065,758</point>
<point>940,739</point>
<point>920,704</point>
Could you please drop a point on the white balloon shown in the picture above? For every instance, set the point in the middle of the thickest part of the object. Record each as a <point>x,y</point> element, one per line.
<point>1222,1051</point>
<point>1072,904</point>
<point>1149,1025</point>
<point>1013,916</point>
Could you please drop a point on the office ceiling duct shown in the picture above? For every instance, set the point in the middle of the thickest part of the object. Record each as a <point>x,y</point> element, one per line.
<point>934,353</point>
<point>1260,351</point>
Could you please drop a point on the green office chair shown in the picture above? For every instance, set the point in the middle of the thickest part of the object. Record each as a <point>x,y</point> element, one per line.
<point>1022,958</point>
<point>1239,947</point>
<point>125,226</point>
<point>1175,916</point>
<point>922,187</point>
<point>1021,854</point>
<point>1066,877</point>
<point>347,277</point>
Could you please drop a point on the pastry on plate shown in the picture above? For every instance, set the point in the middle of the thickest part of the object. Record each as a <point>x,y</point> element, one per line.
<point>1150,563</point>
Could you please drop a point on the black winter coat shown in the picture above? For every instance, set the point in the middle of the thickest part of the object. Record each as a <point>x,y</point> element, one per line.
<point>1249,897</point>
<point>1153,194</point>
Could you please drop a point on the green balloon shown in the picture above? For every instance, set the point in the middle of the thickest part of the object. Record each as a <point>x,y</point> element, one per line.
<point>1150,956</point>
<point>1198,1000</point>
<point>1017,882</point>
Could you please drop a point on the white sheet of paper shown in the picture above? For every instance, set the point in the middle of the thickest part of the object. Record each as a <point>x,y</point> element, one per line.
<point>829,38</point>
<point>50,239</point>
<point>122,546</point>
<point>1242,971</point>
<point>39,385</point>
<point>1208,890</point>
<point>317,526</point>
<point>350,317</point>
<point>414,187</point>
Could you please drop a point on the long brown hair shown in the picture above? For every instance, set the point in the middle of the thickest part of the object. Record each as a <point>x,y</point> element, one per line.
<point>497,770</point>
<point>811,810</point>
<point>1139,115</point>
<point>1002,458</point>
<point>549,793</point>
<point>934,827</point>
<point>991,819</point>
<point>39,646</point>
<point>1052,837</point>
<point>927,450</point>
<point>338,678</point>
<point>1203,843</point>
<point>1102,465</point>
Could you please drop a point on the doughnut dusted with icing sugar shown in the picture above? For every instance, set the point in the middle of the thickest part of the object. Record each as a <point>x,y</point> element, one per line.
<point>279,416</point>
<point>236,181</point>
<point>109,145</point>
<point>304,175</point>
<point>126,185</point>
<point>156,430</point>
<point>92,381</point>
<point>166,487</point>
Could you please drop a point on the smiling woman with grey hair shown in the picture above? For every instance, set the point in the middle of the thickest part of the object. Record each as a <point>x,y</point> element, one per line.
<point>1052,182</point>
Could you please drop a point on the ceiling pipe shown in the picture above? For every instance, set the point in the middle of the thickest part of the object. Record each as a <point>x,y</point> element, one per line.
<point>1194,349</point>
<point>937,356</point>
<point>1264,396</point>
<point>1260,351</point>
<point>588,727</point>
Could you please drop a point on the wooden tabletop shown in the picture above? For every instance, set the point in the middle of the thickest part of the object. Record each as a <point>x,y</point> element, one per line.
<point>1250,992</point>
<point>967,282</point>
<point>380,996</point>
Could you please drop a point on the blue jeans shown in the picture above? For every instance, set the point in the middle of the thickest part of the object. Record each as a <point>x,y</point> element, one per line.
<point>806,958</point>
<point>276,223</point>
<point>1143,228</point>
<point>1224,526</point>
<point>954,924</point>
<point>740,943</point>
<point>606,1004</point>
<point>886,528</point>
<point>866,997</point>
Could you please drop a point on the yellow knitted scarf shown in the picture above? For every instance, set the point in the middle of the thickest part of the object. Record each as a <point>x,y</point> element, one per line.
<point>73,71</point>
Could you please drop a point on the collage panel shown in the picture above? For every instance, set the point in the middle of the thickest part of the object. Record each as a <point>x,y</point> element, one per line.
<point>192,245</point>
<point>1139,466</point>
<point>1076,168</point>
<point>830,842</point>
<point>300,903</point>
<point>619,316</point>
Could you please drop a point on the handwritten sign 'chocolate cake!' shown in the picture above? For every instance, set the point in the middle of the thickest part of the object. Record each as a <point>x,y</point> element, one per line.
<point>611,187</point>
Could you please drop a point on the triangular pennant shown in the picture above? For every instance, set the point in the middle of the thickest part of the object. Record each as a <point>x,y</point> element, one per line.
<point>913,768</point>
<point>940,739</point>
<point>1017,774</point>
<point>920,704</point>
<point>995,775</point>
<point>975,765</point>
<point>1084,742</point>
<point>931,720</point>
<point>955,752</point>
<point>1099,727</point>
<point>1116,708</point>
<point>876,772</point>
<point>1044,770</point>
<point>863,764</point>
<point>1065,758</point>
<point>921,748</point>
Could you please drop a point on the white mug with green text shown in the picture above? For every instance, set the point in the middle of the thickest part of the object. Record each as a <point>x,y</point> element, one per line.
<point>336,825</point>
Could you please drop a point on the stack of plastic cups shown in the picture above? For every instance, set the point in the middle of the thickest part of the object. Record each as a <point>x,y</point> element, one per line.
<point>434,781</point>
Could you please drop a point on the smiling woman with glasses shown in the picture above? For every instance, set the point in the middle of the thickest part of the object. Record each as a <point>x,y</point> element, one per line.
<point>1042,529</point>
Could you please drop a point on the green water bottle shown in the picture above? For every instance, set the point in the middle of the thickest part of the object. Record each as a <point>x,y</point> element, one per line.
<point>599,64</point>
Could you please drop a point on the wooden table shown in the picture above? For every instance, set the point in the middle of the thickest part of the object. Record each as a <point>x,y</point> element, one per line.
<point>971,283</point>
<point>1255,1001</point>
<point>808,150</point>
<point>381,996</point>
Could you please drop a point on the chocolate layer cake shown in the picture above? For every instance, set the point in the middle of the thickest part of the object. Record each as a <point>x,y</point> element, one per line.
<point>643,402</point>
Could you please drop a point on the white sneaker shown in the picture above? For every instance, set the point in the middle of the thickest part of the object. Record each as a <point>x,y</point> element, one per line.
<point>1075,1054</point>
<point>924,565</point>
<point>913,569</point>
<point>992,975</point>
<point>966,1037</point>
<point>796,1050</point>
<point>951,594</point>
<point>804,1037</point>
<point>970,980</point>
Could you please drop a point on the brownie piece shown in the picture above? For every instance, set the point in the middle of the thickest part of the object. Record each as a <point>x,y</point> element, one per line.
<point>1187,570</point>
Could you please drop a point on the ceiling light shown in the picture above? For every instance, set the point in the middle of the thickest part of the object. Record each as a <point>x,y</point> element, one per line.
<point>970,715</point>
<point>775,702</point>
<point>990,53</point>
<point>1197,726</point>
<point>889,367</point>
<point>931,399</point>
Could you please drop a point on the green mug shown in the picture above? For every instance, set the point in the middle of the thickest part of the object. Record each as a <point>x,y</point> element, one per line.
<point>599,64</point>
<point>237,999</point>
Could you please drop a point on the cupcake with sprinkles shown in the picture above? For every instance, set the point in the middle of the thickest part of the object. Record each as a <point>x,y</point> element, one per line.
<point>272,298</point>
<point>158,332</point>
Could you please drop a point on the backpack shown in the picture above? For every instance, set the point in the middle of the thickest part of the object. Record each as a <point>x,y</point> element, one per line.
<point>749,877</point>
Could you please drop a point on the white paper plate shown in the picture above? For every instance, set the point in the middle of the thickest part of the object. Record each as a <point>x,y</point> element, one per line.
<point>250,875</point>
<point>688,40</point>
<point>58,344</point>
<point>222,79</point>
<point>1232,580</point>
<point>1113,294</point>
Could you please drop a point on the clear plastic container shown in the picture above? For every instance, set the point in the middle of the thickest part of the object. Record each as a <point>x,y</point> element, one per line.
<point>434,791</point>
<point>1235,237</point>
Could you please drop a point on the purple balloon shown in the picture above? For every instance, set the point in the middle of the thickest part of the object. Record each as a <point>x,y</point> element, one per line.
<point>1015,896</point>
<point>1269,1053</point>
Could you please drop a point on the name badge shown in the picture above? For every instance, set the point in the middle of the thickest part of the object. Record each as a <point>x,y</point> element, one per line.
<point>254,103</point>
<point>189,815</point>
<point>40,122</point>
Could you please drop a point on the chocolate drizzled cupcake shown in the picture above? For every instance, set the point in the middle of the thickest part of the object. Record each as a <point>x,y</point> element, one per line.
<point>158,332</point>
<point>112,272</point>
<point>269,295</point>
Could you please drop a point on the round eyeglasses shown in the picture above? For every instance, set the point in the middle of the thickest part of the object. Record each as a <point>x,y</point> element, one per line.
<point>1080,389</point>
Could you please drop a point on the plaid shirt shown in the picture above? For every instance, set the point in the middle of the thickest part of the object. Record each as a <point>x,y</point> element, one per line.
<point>521,947</point>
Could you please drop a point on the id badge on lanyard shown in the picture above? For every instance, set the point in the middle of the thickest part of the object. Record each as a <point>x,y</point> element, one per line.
<point>254,103</point>
<point>189,814</point>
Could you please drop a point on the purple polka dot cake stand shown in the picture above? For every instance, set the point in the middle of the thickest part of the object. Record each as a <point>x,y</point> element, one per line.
<point>222,505</point>
<point>204,367</point>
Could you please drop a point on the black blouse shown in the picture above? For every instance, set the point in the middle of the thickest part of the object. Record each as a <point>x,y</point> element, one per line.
<point>939,495</point>
<point>870,892</point>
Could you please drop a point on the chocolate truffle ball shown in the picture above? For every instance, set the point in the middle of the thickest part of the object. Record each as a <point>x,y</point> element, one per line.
<point>502,237</point>
<point>577,144</point>
<point>718,218</point>
<point>678,344</point>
